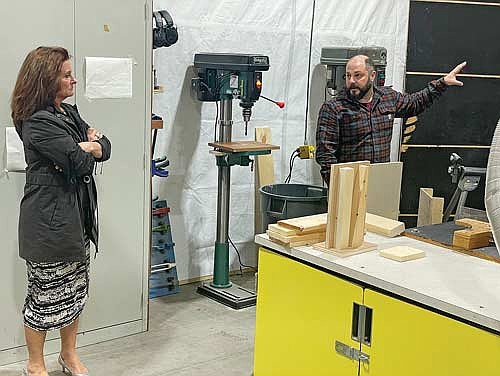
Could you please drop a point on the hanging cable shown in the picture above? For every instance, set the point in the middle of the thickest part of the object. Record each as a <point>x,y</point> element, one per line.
<point>239,257</point>
<point>216,120</point>
<point>309,72</point>
<point>293,156</point>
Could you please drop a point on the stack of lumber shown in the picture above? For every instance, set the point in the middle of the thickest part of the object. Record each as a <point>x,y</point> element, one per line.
<point>299,231</point>
<point>312,229</point>
<point>477,235</point>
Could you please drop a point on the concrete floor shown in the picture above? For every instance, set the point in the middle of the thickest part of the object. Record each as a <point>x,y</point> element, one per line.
<point>189,334</point>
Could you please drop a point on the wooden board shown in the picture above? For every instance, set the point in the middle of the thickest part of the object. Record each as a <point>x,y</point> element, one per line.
<point>365,247</point>
<point>477,235</point>
<point>344,208</point>
<point>383,226</point>
<point>297,240</point>
<point>442,236</point>
<point>242,146</point>
<point>308,223</point>
<point>358,219</point>
<point>384,189</point>
<point>430,209</point>
<point>289,231</point>
<point>402,253</point>
<point>336,226</point>
<point>264,174</point>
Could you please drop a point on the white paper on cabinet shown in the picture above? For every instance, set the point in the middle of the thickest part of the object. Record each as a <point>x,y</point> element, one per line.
<point>15,151</point>
<point>108,77</point>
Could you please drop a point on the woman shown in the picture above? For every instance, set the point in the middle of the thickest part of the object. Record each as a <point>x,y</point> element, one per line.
<point>58,212</point>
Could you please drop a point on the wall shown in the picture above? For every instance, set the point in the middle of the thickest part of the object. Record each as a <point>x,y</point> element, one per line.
<point>281,30</point>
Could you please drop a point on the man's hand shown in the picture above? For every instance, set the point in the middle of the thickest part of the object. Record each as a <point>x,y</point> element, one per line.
<point>93,134</point>
<point>451,78</point>
<point>91,147</point>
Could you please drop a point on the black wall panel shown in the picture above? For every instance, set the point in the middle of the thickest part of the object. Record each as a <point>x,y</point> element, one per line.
<point>428,168</point>
<point>440,36</point>
<point>444,34</point>
<point>464,115</point>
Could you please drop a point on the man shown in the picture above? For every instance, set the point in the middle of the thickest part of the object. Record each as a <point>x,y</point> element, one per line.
<point>357,124</point>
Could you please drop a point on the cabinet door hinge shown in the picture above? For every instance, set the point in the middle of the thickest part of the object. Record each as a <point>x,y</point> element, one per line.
<point>351,352</point>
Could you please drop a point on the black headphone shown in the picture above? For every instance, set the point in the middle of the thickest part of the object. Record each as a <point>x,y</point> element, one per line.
<point>157,31</point>
<point>169,30</point>
<point>164,35</point>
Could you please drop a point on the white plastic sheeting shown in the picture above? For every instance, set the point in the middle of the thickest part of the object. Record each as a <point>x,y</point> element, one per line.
<point>492,190</point>
<point>281,30</point>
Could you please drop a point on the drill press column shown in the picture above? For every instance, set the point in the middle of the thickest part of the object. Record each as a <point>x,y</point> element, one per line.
<point>221,257</point>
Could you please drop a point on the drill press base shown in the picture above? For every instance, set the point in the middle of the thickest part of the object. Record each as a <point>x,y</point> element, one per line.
<point>236,297</point>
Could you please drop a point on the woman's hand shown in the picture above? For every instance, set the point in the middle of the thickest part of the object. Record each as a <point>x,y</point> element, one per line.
<point>93,134</point>
<point>91,147</point>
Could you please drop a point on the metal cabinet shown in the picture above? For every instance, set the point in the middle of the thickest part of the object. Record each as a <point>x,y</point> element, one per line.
<point>414,341</point>
<point>301,313</point>
<point>311,322</point>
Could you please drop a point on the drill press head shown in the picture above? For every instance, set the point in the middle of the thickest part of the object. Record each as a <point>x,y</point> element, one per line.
<point>229,76</point>
<point>336,58</point>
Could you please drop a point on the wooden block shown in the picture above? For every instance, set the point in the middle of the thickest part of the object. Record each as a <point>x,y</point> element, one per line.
<point>156,124</point>
<point>309,223</point>
<point>430,209</point>
<point>473,223</point>
<point>384,189</point>
<point>297,240</point>
<point>283,230</point>
<point>477,236</point>
<point>383,226</point>
<point>365,247</point>
<point>264,163</point>
<point>358,213</point>
<point>402,253</point>
<point>334,199</point>
<point>264,174</point>
<point>343,217</point>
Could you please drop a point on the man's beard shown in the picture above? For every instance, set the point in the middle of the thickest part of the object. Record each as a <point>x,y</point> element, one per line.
<point>362,91</point>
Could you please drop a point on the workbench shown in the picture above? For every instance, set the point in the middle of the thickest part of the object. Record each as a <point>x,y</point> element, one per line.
<point>319,314</point>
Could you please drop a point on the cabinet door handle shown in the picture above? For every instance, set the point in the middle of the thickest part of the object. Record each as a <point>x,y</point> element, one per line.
<point>361,328</point>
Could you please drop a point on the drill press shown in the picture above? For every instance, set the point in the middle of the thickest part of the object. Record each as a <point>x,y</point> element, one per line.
<point>222,78</point>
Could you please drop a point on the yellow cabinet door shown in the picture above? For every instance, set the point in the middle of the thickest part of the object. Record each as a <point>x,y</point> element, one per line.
<point>301,312</point>
<point>412,341</point>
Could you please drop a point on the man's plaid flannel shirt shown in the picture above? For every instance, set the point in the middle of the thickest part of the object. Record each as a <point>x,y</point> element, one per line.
<point>348,131</point>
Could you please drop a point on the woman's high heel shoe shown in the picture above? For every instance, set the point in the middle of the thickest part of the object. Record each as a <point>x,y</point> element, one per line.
<point>68,370</point>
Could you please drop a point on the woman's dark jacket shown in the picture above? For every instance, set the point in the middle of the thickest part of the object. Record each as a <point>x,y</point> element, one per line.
<point>59,208</point>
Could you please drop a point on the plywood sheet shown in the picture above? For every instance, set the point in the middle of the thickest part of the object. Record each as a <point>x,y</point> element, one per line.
<point>384,189</point>
<point>346,252</point>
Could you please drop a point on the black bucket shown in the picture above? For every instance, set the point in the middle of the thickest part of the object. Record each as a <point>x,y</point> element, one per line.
<point>285,201</point>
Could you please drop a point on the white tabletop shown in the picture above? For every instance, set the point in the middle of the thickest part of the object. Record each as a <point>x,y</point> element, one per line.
<point>464,286</point>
